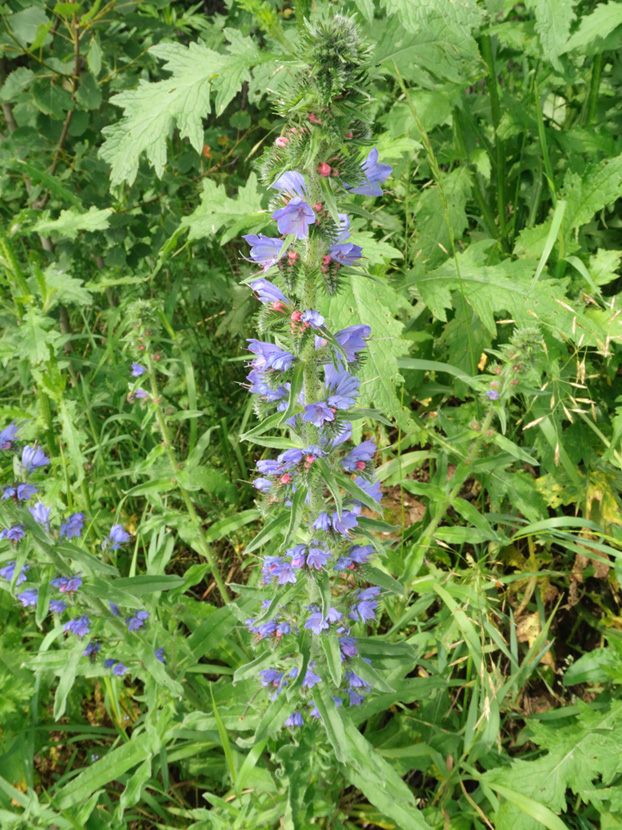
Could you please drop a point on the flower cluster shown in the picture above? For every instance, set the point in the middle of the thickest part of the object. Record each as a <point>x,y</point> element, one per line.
<point>66,596</point>
<point>308,372</point>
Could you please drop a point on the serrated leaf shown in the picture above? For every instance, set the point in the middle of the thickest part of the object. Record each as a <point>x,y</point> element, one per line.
<point>599,186</point>
<point>61,288</point>
<point>553,21</point>
<point>15,83</point>
<point>217,210</point>
<point>70,222</point>
<point>594,28</point>
<point>51,98</point>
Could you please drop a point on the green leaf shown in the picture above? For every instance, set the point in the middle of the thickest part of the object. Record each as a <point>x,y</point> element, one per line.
<point>594,28</point>
<point>110,768</point>
<point>553,21</point>
<point>15,83</point>
<point>88,95</point>
<point>25,24</point>
<point>216,210</point>
<point>71,221</point>
<point>376,303</point>
<point>51,98</point>
<point>432,230</point>
<point>599,186</point>
<point>63,289</point>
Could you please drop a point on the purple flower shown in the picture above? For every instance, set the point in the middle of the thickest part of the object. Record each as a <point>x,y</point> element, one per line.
<point>114,608</point>
<point>311,679</point>
<point>141,394</point>
<point>285,573</point>
<point>33,457</point>
<point>270,356</point>
<point>119,669</point>
<point>356,682</point>
<point>348,646</point>
<point>313,318</point>
<point>269,467</point>
<point>344,433</point>
<point>260,387</point>
<point>262,484</point>
<point>314,712</point>
<point>118,536</point>
<point>41,513</point>
<point>316,623</point>
<point>283,628</point>
<point>92,649</point>
<point>290,458</point>
<point>80,626</point>
<point>317,558</point>
<point>292,183</point>
<point>9,569</point>
<point>23,492</point>
<point>345,253</point>
<point>7,436</point>
<point>266,292</point>
<point>342,386</point>
<point>109,663</point>
<point>352,340</point>
<point>318,414</point>
<point>358,457</point>
<point>137,621</point>
<point>57,606</point>
<point>265,251</point>
<point>298,554</point>
<point>333,615</point>
<point>72,526</point>
<point>160,655</point>
<point>345,523</point>
<point>360,554</point>
<point>366,605</point>
<point>355,699</point>
<point>137,370</point>
<point>295,719</point>
<point>13,534</point>
<point>492,395</point>
<point>322,522</point>
<point>372,488</point>
<point>66,585</point>
<point>295,218</point>
<point>271,677</point>
<point>28,597</point>
<point>270,563</point>
<point>375,173</point>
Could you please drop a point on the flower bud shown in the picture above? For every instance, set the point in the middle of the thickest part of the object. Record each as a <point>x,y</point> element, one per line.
<point>324,169</point>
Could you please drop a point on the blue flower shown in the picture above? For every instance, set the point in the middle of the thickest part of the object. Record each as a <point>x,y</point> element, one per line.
<point>72,526</point>
<point>348,647</point>
<point>345,523</point>
<point>295,719</point>
<point>366,605</point>
<point>343,388</point>
<point>317,557</point>
<point>333,615</point>
<point>92,649</point>
<point>118,536</point>
<point>41,514</point>
<point>316,623</point>
<point>9,569</point>
<point>372,488</point>
<point>311,679</point>
<point>344,433</point>
<point>119,669</point>
<point>159,655</point>
<point>269,467</point>
<point>7,436</point>
<point>22,492</point>
<point>33,457</point>
<point>137,621</point>
<point>260,387</point>
<point>57,606</point>
<point>262,484</point>
<point>266,292</point>
<point>109,663</point>
<point>80,626</point>
<point>292,183</point>
<point>114,608</point>
<point>13,534</point>
<point>28,597</point>
<point>298,555</point>
<point>270,356</point>
<point>265,251</point>
<point>343,232</point>
<point>359,457</point>
<point>285,573</point>
<point>352,340</point>
<point>492,394</point>
<point>295,218</point>
<point>290,458</point>
<point>313,319</point>
<point>345,253</point>
<point>375,173</point>
<point>360,553</point>
<point>322,522</point>
<point>66,585</point>
<point>318,414</point>
<point>137,370</point>
<point>141,394</point>
<point>271,677</point>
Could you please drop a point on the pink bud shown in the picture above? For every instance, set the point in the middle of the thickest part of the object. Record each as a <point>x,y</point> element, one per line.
<point>296,315</point>
<point>292,255</point>
<point>278,306</point>
<point>285,479</point>
<point>325,260</point>
<point>348,135</point>
<point>360,465</point>
<point>317,207</point>
<point>281,141</point>
<point>314,119</point>
<point>324,169</point>
<point>310,459</point>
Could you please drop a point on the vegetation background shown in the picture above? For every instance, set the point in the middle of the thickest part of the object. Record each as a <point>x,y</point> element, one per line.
<point>129,145</point>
